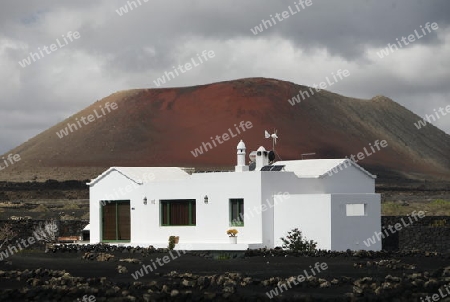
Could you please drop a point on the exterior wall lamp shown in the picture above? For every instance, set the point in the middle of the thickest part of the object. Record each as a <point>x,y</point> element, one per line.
<point>145,200</point>
<point>205,199</point>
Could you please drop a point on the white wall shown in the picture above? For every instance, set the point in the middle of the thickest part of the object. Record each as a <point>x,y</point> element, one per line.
<point>349,232</point>
<point>212,219</point>
<point>113,185</point>
<point>349,180</point>
<point>305,204</point>
<point>310,213</point>
<point>273,183</point>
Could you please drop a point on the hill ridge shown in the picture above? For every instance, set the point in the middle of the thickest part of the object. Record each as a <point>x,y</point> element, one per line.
<point>159,127</point>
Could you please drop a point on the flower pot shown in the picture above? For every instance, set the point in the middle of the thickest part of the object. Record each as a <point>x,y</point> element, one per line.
<point>233,239</point>
<point>177,239</point>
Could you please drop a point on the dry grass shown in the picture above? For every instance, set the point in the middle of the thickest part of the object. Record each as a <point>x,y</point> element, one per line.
<point>40,208</point>
<point>437,207</point>
<point>70,206</point>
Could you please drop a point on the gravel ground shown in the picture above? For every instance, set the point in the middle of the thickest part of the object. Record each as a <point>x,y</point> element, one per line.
<point>34,275</point>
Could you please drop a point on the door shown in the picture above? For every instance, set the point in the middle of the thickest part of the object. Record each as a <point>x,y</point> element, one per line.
<point>116,221</point>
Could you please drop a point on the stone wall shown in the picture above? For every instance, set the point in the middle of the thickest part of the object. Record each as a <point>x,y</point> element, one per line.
<point>430,233</point>
<point>427,234</point>
<point>24,228</point>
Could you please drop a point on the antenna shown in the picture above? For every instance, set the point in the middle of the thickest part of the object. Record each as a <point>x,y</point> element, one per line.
<point>306,154</point>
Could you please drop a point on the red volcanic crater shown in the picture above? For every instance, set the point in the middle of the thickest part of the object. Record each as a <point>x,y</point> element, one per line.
<point>162,127</point>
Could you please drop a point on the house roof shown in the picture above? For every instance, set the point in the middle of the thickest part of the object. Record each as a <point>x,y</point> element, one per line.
<point>318,168</point>
<point>142,175</point>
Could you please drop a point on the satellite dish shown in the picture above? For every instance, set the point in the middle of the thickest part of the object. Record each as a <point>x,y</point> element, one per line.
<point>271,156</point>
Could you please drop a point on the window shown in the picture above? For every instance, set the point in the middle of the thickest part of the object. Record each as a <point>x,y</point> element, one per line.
<point>237,212</point>
<point>178,212</point>
<point>116,221</point>
<point>356,209</point>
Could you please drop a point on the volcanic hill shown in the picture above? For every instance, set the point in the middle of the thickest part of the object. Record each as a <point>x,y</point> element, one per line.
<point>160,127</point>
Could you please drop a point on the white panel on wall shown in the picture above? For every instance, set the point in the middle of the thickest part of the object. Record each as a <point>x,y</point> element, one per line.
<point>356,209</point>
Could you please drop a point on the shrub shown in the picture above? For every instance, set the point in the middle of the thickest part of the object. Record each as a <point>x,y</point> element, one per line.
<point>172,240</point>
<point>6,234</point>
<point>46,231</point>
<point>294,241</point>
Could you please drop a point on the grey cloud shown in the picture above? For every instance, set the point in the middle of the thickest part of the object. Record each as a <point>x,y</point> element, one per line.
<point>116,53</point>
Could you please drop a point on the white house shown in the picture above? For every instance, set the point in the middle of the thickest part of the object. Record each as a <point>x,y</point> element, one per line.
<point>263,201</point>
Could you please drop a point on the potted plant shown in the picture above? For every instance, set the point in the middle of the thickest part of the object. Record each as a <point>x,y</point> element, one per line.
<point>232,235</point>
<point>172,241</point>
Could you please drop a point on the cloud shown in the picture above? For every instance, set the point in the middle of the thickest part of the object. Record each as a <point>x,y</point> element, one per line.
<point>130,51</point>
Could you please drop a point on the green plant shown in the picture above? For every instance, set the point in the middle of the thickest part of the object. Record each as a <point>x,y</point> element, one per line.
<point>295,241</point>
<point>391,208</point>
<point>438,223</point>
<point>172,241</point>
<point>440,202</point>
<point>237,223</point>
<point>223,256</point>
<point>232,232</point>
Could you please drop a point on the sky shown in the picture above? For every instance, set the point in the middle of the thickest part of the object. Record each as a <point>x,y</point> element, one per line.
<point>86,50</point>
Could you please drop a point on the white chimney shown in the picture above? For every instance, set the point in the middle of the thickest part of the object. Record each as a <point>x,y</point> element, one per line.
<point>241,167</point>
<point>262,158</point>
